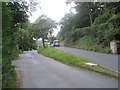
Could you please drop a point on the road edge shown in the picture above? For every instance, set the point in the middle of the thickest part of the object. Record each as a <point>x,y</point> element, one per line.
<point>19,81</point>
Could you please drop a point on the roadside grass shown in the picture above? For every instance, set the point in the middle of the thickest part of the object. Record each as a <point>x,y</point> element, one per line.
<point>91,48</point>
<point>77,62</point>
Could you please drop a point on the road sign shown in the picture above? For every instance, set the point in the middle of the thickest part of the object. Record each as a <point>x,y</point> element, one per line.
<point>49,35</point>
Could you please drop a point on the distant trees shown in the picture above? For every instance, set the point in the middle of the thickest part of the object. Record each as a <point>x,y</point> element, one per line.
<point>98,22</point>
<point>88,11</point>
<point>42,27</point>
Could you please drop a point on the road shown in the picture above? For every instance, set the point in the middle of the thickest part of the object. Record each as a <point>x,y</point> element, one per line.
<point>107,60</point>
<point>38,71</point>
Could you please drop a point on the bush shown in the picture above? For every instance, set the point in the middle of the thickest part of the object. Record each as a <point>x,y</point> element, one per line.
<point>9,48</point>
<point>114,28</point>
<point>9,76</point>
<point>87,41</point>
<point>101,19</point>
<point>98,36</point>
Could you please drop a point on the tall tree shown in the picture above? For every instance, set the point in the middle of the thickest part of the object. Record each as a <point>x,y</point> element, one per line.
<point>13,13</point>
<point>98,18</point>
<point>42,26</point>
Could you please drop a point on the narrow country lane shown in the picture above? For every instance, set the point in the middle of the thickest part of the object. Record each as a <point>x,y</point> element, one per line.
<point>107,60</point>
<point>38,71</point>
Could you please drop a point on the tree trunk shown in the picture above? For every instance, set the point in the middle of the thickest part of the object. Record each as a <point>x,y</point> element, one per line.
<point>90,16</point>
<point>43,42</point>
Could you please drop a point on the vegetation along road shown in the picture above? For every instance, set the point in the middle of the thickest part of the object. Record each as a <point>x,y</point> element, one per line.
<point>107,60</point>
<point>38,71</point>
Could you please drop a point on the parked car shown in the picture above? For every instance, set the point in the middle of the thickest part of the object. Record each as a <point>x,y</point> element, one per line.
<point>56,43</point>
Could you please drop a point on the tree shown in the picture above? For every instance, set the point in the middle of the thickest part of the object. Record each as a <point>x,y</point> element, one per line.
<point>99,20</point>
<point>13,14</point>
<point>9,48</point>
<point>42,26</point>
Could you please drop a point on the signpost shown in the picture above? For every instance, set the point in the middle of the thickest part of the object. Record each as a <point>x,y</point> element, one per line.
<point>49,36</point>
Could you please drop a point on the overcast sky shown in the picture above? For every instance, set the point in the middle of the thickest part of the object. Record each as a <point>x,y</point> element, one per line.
<point>54,9</point>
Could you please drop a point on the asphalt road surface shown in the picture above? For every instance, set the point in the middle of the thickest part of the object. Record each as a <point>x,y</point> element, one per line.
<point>107,60</point>
<point>38,71</point>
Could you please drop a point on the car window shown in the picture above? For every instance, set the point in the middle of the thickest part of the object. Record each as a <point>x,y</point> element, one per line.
<point>56,41</point>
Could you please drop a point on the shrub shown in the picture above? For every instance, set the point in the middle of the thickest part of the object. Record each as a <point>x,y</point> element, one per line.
<point>87,41</point>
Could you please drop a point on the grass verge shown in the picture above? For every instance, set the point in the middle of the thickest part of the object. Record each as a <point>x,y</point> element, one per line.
<point>77,62</point>
<point>91,48</point>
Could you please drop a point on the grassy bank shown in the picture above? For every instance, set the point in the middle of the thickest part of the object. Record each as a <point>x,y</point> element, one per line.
<point>89,43</point>
<point>76,62</point>
<point>91,48</point>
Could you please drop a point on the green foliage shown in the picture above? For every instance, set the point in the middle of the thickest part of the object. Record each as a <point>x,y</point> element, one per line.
<point>105,26</point>
<point>19,14</point>
<point>76,61</point>
<point>9,48</point>
<point>14,35</point>
<point>101,19</point>
<point>114,28</point>
<point>87,12</point>
<point>9,76</point>
<point>13,14</point>
<point>25,40</point>
<point>42,27</point>
<point>87,41</point>
<point>85,16</point>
